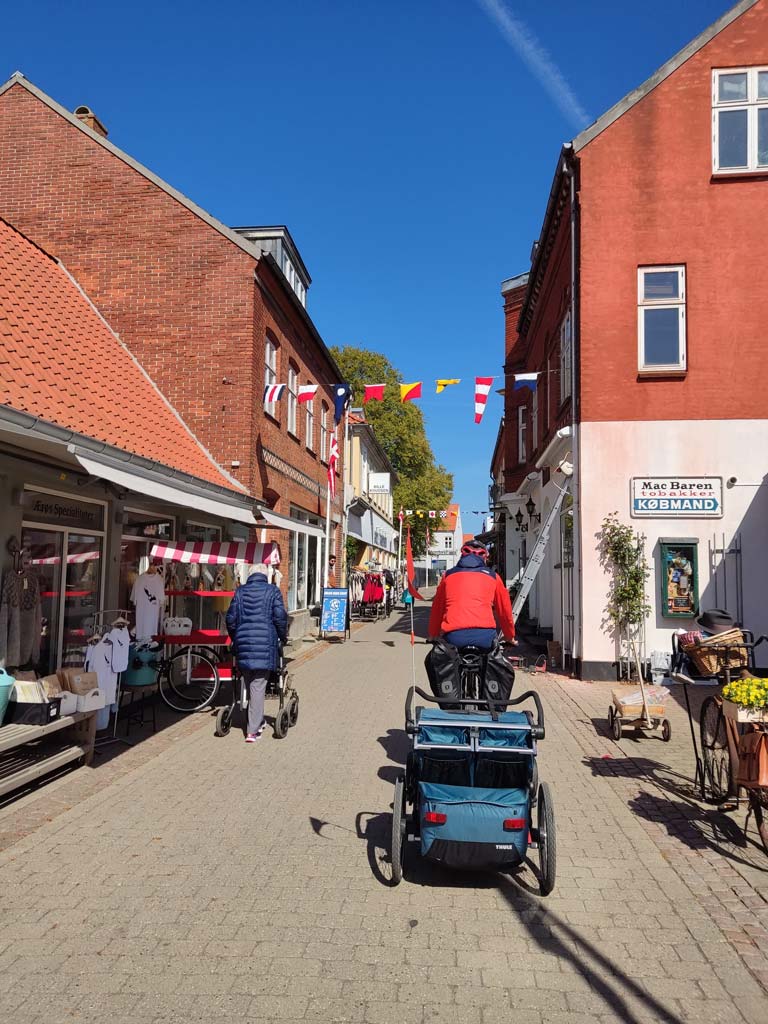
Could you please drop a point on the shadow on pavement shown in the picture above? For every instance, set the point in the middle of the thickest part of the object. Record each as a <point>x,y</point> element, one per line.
<point>396,745</point>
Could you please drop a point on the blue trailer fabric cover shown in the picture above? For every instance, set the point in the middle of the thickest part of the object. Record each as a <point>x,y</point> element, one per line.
<point>475,816</point>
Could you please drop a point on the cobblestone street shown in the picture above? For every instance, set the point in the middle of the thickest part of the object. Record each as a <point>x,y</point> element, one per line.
<point>218,880</point>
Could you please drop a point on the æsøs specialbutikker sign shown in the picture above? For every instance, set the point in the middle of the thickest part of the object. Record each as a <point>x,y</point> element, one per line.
<point>677,497</point>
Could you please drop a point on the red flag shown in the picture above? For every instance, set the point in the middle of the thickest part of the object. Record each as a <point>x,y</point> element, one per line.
<point>374,392</point>
<point>410,571</point>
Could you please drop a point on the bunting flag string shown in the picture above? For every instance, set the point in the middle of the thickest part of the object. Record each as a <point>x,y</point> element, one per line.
<point>374,393</point>
<point>525,380</point>
<point>307,392</point>
<point>420,512</point>
<point>273,392</point>
<point>445,382</point>
<point>482,389</point>
<point>410,391</point>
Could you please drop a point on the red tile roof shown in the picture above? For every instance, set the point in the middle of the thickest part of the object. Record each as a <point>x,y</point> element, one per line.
<point>60,360</point>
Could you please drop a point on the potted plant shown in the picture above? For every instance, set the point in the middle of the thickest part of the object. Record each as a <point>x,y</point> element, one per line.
<point>746,700</point>
<point>622,553</point>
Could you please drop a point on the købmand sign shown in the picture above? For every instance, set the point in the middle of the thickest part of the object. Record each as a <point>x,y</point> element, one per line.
<point>676,497</point>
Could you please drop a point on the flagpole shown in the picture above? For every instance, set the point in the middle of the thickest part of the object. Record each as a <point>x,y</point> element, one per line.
<point>344,513</point>
<point>413,645</point>
<point>400,550</point>
<point>327,533</point>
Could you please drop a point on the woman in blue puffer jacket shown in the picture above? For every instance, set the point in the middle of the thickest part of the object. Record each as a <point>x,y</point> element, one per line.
<point>257,622</point>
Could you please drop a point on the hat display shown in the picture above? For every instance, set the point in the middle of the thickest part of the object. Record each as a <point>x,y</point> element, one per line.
<point>716,620</point>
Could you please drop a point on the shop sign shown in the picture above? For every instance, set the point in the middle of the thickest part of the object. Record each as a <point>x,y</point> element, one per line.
<point>683,497</point>
<point>61,510</point>
<point>379,483</point>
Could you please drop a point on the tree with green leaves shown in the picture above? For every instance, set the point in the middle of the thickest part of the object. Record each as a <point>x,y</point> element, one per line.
<point>399,428</point>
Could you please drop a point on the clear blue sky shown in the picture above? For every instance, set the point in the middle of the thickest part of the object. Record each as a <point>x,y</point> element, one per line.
<point>407,145</point>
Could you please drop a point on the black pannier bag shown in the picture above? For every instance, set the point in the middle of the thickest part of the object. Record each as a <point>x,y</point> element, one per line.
<point>499,674</point>
<point>443,671</point>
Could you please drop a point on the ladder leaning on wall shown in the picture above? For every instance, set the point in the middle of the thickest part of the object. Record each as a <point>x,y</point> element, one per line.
<point>537,555</point>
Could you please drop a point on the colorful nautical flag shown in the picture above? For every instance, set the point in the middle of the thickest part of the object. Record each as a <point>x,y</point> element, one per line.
<point>307,392</point>
<point>525,380</point>
<point>333,459</point>
<point>342,396</point>
<point>446,382</point>
<point>432,514</point>
<point>374,393</point>
<point>410,391</point>
<point>482,388</point>
<point>273,393</point>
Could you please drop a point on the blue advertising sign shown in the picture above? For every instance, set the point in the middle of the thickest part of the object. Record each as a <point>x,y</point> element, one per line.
<point>334,617</point>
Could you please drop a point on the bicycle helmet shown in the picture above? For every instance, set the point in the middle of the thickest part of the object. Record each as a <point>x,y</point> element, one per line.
<point>474,547</point>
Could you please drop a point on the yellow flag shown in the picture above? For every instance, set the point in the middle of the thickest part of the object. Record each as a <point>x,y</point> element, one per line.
<point>442,384</point>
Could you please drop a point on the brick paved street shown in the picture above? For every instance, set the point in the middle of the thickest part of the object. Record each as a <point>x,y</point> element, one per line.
<point>222,881</point>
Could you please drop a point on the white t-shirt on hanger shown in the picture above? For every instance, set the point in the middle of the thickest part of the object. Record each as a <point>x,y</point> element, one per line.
<point>121,642</point>
<point>148,595</point>
<point>98,659</point>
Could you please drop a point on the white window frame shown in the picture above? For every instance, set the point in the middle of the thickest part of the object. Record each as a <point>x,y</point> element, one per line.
<point>292,402</point>
<point>324,434</point>
<point>643,304</point>
<point>752,105</point>
<point>566,356</point>
<point>522,430</point>
<point>270,372</point>
<point>310,425</point>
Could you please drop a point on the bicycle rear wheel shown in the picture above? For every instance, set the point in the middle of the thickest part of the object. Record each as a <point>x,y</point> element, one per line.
<point>190,682</point>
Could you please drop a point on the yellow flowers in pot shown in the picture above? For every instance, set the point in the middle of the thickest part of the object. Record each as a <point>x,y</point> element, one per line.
<point>747,693</point>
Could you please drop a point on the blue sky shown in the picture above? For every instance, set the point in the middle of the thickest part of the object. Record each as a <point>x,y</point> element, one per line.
<point>408,145</point>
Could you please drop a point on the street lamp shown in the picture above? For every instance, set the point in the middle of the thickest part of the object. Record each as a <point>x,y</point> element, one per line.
<point>519,520</point>
<point>530,508</point>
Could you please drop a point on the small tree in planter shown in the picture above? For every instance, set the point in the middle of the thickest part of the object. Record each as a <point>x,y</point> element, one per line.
<point>622,553</point>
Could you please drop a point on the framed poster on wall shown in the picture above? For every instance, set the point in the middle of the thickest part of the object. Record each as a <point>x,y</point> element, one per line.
<point>679,577</point>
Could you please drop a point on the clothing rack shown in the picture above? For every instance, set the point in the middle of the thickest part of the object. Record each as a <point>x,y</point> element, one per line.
<point>103,621</point>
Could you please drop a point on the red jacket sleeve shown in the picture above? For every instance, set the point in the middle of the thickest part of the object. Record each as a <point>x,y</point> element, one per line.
<point>503,608</point>
<point>438,610</point>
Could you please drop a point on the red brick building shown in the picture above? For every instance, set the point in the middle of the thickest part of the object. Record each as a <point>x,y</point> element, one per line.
<point>211,313</point>
<point>645,321</point>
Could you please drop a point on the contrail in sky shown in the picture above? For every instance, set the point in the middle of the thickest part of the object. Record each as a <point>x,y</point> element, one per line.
<point>539,62</point>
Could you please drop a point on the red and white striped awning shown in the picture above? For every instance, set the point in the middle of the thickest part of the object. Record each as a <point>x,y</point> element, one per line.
<point>211,552</point>
<point>83,556</point>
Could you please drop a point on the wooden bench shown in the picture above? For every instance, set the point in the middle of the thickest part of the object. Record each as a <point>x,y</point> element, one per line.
<point>27,753</point>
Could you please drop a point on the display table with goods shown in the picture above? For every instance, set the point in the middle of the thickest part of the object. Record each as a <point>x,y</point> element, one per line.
<point>733,723</point>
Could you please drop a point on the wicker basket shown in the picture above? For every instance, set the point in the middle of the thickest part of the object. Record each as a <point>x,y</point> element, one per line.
<point>716,653</point>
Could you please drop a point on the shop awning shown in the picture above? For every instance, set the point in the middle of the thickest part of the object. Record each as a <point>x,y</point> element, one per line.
<point>151,486</point>
<point>210,552</point>
<point>285,523</point>
<point>83,556</point>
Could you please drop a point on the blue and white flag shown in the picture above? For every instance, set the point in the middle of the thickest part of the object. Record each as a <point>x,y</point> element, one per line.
<point>342,396</point>
<point>525,380</point>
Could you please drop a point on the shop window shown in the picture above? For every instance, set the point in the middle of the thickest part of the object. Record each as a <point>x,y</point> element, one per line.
<point>679,577</point>
<point>270,372</point>
<point>661,319</point>
<point>293,390</point>
<point>740,120</point>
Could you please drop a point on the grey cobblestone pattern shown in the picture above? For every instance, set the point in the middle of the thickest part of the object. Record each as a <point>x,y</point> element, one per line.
<point>223,881</point>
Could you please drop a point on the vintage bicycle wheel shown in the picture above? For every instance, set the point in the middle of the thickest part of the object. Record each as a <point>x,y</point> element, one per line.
<point>190,681</point>
<point>714,750</point>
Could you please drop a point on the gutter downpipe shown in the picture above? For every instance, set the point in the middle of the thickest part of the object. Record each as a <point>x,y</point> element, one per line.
<point>576,573</point>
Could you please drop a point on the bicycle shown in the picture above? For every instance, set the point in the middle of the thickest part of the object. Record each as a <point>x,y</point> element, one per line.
<point>188,680</point>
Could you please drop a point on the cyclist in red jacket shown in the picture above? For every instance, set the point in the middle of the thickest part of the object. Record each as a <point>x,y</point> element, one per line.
<point>471,602</point>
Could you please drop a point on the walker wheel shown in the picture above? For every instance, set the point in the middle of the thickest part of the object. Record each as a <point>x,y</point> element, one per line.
<point>666,730</point>
<point>223,721</point>
<point>293,711</point>
<point>611,716</point>
<point>282,724</point>
<point>616,727</point>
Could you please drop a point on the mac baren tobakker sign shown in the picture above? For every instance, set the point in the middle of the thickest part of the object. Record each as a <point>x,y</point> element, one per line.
<point>676,497</point>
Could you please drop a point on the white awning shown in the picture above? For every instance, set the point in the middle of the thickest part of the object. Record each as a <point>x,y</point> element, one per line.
<point>294,525</point>
<point>152,488</point>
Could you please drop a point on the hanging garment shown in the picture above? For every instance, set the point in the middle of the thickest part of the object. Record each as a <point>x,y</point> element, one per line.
<point>148,595</point>
<point>121,642</point>
<point>374,589</point>
<point>98,659</point>
<point>20,619</point>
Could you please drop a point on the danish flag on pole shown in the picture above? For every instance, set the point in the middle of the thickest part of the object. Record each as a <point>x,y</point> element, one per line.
<point>482,389</point>
<point>333,459</point>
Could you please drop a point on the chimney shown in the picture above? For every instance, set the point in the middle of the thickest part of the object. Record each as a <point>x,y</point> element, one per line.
<point>87,116</point>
